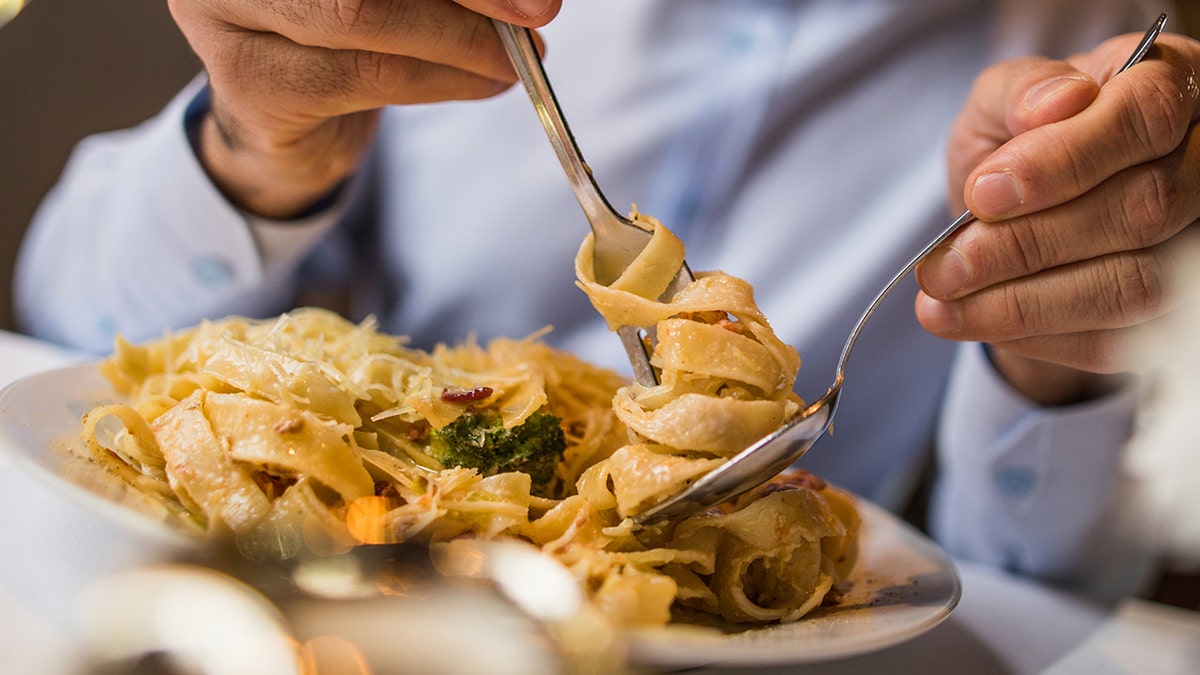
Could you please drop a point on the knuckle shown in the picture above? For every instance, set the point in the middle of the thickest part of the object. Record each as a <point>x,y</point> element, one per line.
<point>1140,287</point>
<point>365,19</point>
<point>350,16</point>
<point>388,78</point>
<point>293,74</point>
<point>478,37</point>
<point>1055,161</point>
<point>233,66</point>
<point>1027,246</point>
<point>1157,116</point>
<point>1080,162</point>
<point>1151,210</point>
<point>1022,311</point>
<point>323,77</point>
<point>372,69</point>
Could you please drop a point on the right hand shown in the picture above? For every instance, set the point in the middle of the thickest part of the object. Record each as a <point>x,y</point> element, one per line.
<point>1086,184</point>
<point>297,84</point>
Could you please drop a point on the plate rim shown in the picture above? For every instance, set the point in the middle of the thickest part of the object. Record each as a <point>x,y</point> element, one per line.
<point>142,523</point>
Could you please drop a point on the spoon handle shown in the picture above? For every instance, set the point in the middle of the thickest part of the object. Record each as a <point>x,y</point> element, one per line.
<point>962,220</point>
<point>1138,54</point>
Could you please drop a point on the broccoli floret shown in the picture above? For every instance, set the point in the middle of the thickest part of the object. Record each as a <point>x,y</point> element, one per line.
<point>478,440</point>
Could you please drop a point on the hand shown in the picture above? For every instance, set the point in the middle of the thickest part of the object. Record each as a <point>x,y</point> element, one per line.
<point>1085,198</point>
<point>297,84</point>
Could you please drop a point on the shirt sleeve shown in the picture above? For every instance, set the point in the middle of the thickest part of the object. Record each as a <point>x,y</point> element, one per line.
<point>1036,490</point>
<point>135,238</point>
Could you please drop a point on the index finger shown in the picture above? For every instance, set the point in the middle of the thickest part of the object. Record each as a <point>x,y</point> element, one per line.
<point>529,13</point>
<point>439,31</point>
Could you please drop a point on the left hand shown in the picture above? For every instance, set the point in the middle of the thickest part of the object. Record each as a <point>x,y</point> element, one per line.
<point>1085,197</point>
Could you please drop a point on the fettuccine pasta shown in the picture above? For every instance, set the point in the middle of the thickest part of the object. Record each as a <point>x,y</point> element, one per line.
<point>310,432</point>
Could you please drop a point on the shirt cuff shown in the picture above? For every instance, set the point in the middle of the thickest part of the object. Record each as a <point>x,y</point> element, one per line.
<point>1021,486</point>
<point>281,243</point>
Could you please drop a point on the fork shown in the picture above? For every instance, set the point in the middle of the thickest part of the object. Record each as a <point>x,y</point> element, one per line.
<point>618,240</point>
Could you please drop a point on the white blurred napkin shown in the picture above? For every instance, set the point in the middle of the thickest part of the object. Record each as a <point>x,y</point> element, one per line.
<point>1142,637</point>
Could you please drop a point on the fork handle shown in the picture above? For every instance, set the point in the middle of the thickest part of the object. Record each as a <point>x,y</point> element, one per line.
<point>521,50</point>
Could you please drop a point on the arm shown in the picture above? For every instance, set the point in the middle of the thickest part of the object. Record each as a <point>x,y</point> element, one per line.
<point>1085,197</point>
<point>1036,490</point>
<point>297,88</point>
<point>134,238</point>
<point>155,227</point>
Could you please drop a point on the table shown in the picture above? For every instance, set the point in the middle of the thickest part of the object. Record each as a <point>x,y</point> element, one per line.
<point>1003,624</point>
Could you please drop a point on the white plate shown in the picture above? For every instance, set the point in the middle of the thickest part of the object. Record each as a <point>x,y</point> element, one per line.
<point>902,585</point>
<point>40,421</point>
<point>66,527</point>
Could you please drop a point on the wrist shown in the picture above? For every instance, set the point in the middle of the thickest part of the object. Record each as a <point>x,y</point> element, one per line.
<point>272,184</point>
<point>277,180</point>
<point>1049,384</point>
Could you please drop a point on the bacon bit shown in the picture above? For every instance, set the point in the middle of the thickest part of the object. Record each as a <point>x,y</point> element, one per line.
<point>386,489</point>
<point>417,432</point>
<point>704,316</point>
<point>576,430</point>
<point>272,486</point>
<point>289,424</point>
<point>798,478</point>
<point>833,596</point>
<point>716,318</point>
<point>465,395</point>
<point>731,326</point>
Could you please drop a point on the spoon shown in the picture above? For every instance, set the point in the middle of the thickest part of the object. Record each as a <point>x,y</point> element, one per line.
<point>774,453</point>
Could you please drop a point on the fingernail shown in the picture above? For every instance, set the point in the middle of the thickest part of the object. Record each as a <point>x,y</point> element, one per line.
<point>530,9</point>
<point>938,317</point>
<point>944,272</point>
<point>1048,89</point>
<point>996,195</point>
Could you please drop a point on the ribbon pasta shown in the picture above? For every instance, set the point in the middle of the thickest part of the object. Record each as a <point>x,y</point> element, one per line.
<point>307,431</point>
<point>725,377</point>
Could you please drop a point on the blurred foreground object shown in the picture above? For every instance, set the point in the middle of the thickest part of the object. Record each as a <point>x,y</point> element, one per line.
<point>189,618</point>
<point>375,609</point>
<point>9,9</point>
<point>1165,451</point>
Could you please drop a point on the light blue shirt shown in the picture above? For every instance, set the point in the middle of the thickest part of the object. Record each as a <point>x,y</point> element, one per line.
<point>798,144</point>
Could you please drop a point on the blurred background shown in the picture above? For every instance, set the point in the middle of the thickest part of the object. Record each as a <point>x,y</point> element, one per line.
<point>69,68</point>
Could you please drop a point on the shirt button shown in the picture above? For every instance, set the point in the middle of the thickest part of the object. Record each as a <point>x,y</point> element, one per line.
<point>741,42</point>
<point>212,270</point>
<point>1015,481</point>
